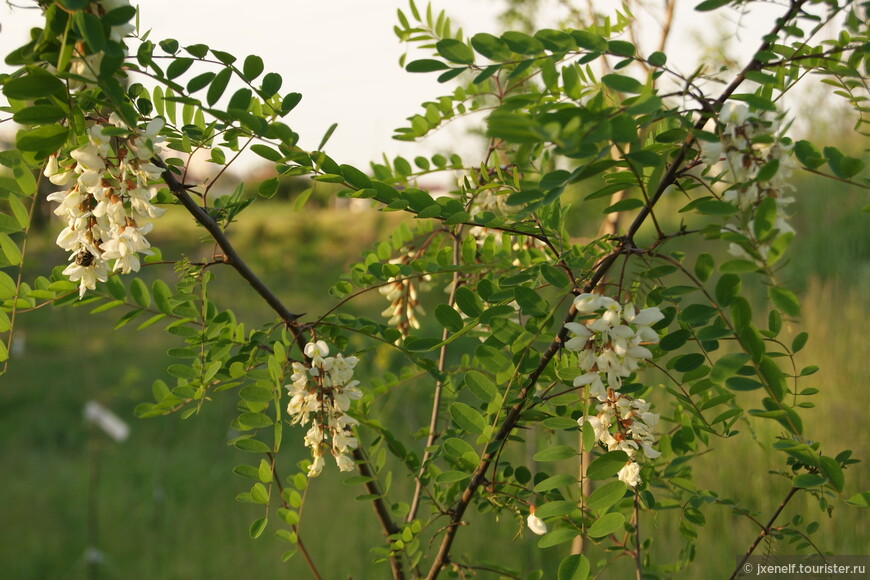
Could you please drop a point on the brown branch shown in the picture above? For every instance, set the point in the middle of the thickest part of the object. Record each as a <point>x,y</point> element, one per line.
<point>231,257</point>
<point>764,531</point>
<point>388,526</point>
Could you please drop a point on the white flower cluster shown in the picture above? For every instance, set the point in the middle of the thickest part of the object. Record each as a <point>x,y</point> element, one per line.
<point>109,185</point>
<point>748,143</point>
<point>88,65</point>
<point>402,294</point>
<point>610,348</point>
<point>322,393</point>
<point>633,423</point>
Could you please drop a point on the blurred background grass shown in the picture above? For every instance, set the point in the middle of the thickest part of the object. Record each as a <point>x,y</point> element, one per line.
<point>164,503</point>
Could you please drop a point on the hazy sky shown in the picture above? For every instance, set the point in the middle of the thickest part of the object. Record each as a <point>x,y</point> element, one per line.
<point>342,55</point>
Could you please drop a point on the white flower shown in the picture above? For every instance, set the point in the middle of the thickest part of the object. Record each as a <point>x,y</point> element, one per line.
<point>87,275</point>
<point>536,524</point>
<point>733,113</point>
<point>344,462</point>
<point>630,474</point>
<point>316,466</point>
<point>317,349</point>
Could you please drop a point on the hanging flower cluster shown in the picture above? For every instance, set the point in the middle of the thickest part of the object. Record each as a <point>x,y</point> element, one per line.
<point>322,393</point>
<point>610,348</point>
<point>625,424</point>
<point>402,294</point>
<point>110,183</point>
<point>756,161</point>
<point>87,65</point>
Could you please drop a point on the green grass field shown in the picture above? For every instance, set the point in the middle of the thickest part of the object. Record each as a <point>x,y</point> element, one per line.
<point>160,505</point>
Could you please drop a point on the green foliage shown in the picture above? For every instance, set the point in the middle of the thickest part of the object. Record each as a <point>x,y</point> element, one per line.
<point>534,334</point>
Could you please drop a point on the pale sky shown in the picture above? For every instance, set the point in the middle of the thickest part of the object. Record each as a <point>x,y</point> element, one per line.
<point>342,55</point>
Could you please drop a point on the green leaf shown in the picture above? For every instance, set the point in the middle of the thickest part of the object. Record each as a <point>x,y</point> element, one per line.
<point>555,509</point>
<point>257,528</point>
<point>39,115</point>
<point>251,445</point>
<point>557,537</point>
<point>91,29</point>
<point>37,83</point>
<point>448,317</point>
<point>622,84</point>
<point>481,386</point>
<point>468,302</point>
<point>490,46</point>
<point>10,251</point>
<point>727,365</point>
<point>707,5</point>
<point>606,495</point>
<point>255,420</point>
<point>555,453</point>
<point>139,292</point>
<point>20,212</point>
<point>688,362</point>
<point>808,155</point>
<point>606,465</point>
<point>805,480</point>
<point>8,288</point>
<point>45,139</point>
<point>561,480</point>
<point>831,469</point>
<point>606,525</point>
<point>861,499</point>
<point>218,86</point>
<point>183,371</point>
<point>455,51</point>
<point>252,68</point>
<point>704,266</point>
<point>425,65</point>
<point>574,567</point>
<point>268,188</point>
<point>773,376</point>
<point>271,84</point>
<point>162,294</point>
<point>530,302</point>
<point>467,418</point>
<point>727,289</point>
<point>448,477</point>
<point>784,300</point>
<point>625,205</point>
<point>522,43</point>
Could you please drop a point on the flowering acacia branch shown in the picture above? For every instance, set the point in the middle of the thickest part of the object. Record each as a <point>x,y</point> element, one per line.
<point>513,416</point>
<point>231,257</point>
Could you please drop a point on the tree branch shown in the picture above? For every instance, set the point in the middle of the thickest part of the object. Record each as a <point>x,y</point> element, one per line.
<point>388,526</point>
<point>764,531</point>
<point>231,257</point>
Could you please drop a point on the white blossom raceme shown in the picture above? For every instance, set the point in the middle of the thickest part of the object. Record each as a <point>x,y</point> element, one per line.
<point>612,346</point>
<point>753,162</point>
<point>110,185</point>
<point>321,392</point>
<point>625,424</point>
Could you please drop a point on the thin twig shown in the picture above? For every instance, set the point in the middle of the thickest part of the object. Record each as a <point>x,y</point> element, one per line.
<point>388,526</point>
<point>231,257</point>
<point>439,387</point>
<point>764,532</point>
